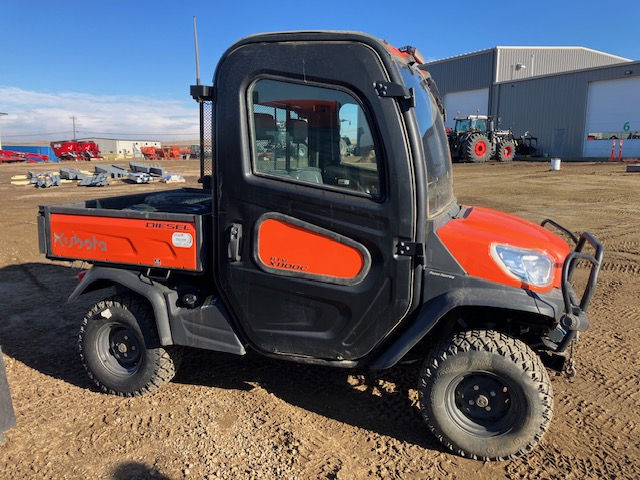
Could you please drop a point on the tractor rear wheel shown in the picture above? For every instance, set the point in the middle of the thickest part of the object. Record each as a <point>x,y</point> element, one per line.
<point>486,395</point>
<point>506,150</point>
<point>478,148</point>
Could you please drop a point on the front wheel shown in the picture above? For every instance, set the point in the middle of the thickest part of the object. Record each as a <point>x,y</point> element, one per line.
<point>506,150</point>
<point>120,350</point>
<point>486,395</point>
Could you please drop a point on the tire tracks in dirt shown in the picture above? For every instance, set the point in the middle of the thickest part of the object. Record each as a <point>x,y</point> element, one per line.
<point>254,418</point>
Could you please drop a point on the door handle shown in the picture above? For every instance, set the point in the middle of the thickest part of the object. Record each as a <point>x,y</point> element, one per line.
<point>235,242</point>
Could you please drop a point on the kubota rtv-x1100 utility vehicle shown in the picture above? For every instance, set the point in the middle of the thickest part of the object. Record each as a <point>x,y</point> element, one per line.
<point>358,257</point>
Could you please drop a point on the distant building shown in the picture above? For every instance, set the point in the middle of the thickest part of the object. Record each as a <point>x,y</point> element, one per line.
<point>121,148</point>
<point>576,101</point>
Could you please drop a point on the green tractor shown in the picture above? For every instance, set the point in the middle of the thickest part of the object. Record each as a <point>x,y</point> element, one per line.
<point>475,139</point>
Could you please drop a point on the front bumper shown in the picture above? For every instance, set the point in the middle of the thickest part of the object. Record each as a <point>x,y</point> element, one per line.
<point>574,315</point>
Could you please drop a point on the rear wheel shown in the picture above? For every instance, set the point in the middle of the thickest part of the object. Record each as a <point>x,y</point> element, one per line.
<point>120,350</point>
<point>477,148</point>
<point>506,150</point>
<point>486,395</point>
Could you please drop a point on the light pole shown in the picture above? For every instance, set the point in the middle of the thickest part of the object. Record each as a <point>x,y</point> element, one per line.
<point>74,127</point>
<point>1,115</point>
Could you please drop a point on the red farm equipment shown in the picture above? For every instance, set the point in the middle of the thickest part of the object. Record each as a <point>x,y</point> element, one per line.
<point>76,150</point>
<point>35,157</point>
<point>169,152</point>
<point>149,153</point>
<point>9,156</point>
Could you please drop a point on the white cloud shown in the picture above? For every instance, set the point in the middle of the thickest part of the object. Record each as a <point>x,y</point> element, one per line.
<point>36,116</point>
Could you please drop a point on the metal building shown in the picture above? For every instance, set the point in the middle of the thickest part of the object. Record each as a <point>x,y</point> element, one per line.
<point>121,148</point>
<point>576,101</point>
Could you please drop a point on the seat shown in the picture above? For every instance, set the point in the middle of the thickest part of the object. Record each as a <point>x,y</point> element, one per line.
<point>265,126</point>
<point>298,131</point>
<point>265,130</point>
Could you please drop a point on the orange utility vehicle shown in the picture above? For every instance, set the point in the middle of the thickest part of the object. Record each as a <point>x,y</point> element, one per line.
<point>300,248</point>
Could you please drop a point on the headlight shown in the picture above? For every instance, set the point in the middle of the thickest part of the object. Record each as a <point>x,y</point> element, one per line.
<point>530,266</point>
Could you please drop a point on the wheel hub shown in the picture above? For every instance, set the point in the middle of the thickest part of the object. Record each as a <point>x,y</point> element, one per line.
<point>480,148</point>
<point>482,403</point>
<point>477,395</point>
<point>122,349</point>
<point>123,343</point>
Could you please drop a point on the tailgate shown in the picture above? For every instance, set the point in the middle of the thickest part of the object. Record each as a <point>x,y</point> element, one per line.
<point>154,240</point>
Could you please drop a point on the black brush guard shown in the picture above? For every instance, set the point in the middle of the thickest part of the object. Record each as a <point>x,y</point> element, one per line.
<point>574,318</point>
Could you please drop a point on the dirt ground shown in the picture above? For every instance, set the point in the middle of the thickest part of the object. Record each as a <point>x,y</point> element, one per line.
<point>251,417</point>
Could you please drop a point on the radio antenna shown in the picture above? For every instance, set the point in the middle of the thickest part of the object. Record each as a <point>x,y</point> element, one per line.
<point>195,40</point>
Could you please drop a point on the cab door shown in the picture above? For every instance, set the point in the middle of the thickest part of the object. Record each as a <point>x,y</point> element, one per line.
<point>314,193</point>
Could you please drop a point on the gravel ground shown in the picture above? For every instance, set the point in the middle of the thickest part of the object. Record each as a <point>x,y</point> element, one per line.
<point>251,417</point>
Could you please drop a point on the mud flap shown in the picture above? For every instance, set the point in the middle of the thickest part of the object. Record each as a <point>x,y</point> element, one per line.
<point>7,415</point>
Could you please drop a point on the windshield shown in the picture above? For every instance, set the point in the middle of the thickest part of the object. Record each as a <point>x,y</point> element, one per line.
<point>462,125</point>
<point>434,141</point>
<point>466,124</point>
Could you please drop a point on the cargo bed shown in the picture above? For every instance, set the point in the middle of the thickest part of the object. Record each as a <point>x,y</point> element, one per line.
<point>162,230</point>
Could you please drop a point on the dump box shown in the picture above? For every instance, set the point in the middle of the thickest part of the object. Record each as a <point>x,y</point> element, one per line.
<point>163,230</point>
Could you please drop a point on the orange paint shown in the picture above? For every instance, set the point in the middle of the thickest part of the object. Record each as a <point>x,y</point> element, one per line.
<point>469,239</point>
<point>151,243</point>
<point>287,247</point>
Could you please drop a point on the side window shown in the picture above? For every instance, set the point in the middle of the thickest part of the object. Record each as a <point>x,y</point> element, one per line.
<point>314,135</point>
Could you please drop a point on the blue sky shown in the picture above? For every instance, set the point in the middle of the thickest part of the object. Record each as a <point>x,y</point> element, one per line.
<point>124,67</point>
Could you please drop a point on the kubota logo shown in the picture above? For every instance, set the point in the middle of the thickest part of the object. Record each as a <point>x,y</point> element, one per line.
<point>74,241</point>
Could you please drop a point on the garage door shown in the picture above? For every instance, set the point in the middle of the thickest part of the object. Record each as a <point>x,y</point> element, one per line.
<point>471,102</point>
<point>613,113</point>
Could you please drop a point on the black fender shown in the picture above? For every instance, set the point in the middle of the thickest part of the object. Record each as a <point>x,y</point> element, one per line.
<point>101,277</point>
<point>433,311</point>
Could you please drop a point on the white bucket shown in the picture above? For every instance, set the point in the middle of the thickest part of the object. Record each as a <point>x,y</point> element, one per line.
<point>555,164</point>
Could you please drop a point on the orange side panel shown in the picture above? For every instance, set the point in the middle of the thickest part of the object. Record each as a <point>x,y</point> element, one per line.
<point>152,243</point>
<point>287,247</point>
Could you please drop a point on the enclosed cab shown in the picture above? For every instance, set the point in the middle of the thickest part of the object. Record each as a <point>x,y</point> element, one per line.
<point>334,238</point>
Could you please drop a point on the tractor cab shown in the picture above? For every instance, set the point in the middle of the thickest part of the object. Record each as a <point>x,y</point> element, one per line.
<point>478,123</point>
